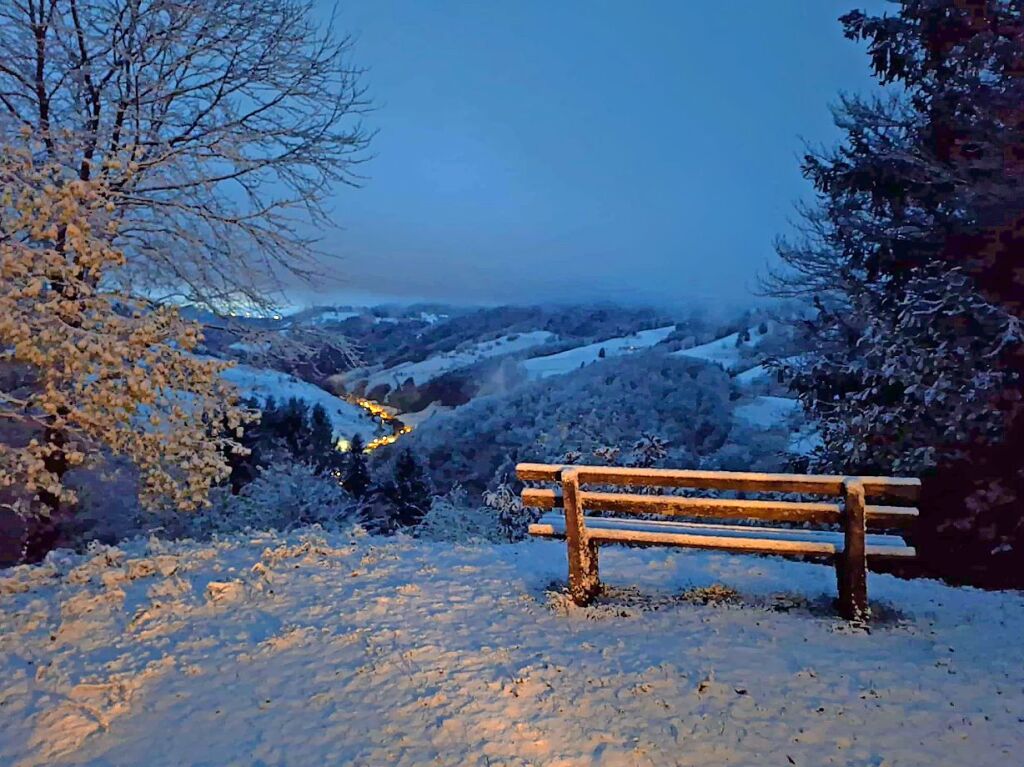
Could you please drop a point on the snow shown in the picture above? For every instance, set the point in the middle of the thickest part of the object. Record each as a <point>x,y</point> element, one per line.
<point>420,417</point>
<point>722,351</point>
<point>347,419</point>
<point>767,412</point>
<point>573,359</point>
<point>756,374</point>
<point>805,440</point>
<point>332,317</point>
<point>439,364</point>
<point>250,348</point>
<point>329,649</point>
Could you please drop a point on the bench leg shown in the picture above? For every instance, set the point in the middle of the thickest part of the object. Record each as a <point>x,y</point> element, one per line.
<point>852,565</point>
<point>584,583</point>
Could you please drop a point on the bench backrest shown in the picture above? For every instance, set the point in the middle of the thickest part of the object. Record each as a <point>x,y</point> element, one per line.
<point>894,493</point>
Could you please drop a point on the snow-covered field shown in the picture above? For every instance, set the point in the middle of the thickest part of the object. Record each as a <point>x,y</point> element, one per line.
<point>439,364</point>
<point>573,359</point>
<point>327,650</point>
<point>332,317</point>
<point>346,418</point>
<point>768,412</point>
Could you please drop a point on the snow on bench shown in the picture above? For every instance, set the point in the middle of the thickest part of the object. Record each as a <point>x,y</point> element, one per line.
<point>852,551</point>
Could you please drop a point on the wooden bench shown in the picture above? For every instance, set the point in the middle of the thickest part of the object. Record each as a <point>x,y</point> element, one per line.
<point>853,551</point>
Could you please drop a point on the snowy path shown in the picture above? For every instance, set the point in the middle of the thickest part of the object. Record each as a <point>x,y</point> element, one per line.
<point>373,652</point>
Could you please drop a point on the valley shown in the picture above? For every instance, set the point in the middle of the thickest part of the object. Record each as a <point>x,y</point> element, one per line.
<point>434,379</point>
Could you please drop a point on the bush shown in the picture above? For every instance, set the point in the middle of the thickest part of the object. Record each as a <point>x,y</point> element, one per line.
<point>283,495</point>
<point>453,519</point>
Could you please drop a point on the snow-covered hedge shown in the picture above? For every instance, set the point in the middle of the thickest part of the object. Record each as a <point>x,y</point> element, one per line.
<point>283,496</point>
<point>453,519</point>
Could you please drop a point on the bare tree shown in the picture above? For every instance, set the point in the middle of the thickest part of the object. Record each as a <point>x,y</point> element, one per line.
<point>219,127</point>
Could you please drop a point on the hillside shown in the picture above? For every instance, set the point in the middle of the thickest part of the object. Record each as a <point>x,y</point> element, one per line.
<point>580,356</point>
<point>346,418</point>
<point>327,649</point>
<point>426,370</point>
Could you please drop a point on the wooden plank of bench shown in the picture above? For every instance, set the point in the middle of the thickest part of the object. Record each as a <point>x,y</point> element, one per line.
<point>878,546</point>
<point>724,543</point>
<point>891,516</point>
<point>714,480</point>
<point>545,530</point>
<point>878,516</point>
<point>718,508</point>
<point>541,498</point>
<point>905,488</point>
<point>834,537</point>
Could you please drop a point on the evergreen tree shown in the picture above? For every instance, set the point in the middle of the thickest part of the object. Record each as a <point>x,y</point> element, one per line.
<point>912,259</point>
<point>408,490</point>
<point>377,511</point>
<point>357,476</point>
<point>285,430</point>
<point>318,446</point>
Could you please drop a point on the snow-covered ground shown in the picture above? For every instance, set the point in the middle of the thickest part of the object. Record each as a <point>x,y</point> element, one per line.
<point>573,359</point>
<point>346,418</point>
<point>767,412</point>
<point>330,650</point>
<point>439,364</point>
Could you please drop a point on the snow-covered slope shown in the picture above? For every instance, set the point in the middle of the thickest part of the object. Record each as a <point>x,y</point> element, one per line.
<point>756,374</point>
<point>731,353</point>
<point>767,412</point>
<point>332,317</point>
<point>347,419</point>
<point>573,359</point>
<point>328,650</point>
<point>438,365</point>
<point>722,351</point>
<point>756,410</point>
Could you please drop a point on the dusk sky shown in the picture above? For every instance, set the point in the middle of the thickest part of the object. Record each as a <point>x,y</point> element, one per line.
<point>535,151</point>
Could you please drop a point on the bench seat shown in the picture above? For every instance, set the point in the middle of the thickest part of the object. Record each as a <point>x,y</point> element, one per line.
<point>820,544</point>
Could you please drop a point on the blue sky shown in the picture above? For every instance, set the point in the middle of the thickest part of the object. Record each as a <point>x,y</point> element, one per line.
<point>629,151</point>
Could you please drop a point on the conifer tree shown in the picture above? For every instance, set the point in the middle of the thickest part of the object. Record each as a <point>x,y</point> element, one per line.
<point>357,476</point>
<point>319,446</point>
<point>912,258</point>
<point>408,490</point>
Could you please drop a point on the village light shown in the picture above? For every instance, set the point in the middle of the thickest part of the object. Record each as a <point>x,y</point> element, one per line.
<point>386,416</point>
